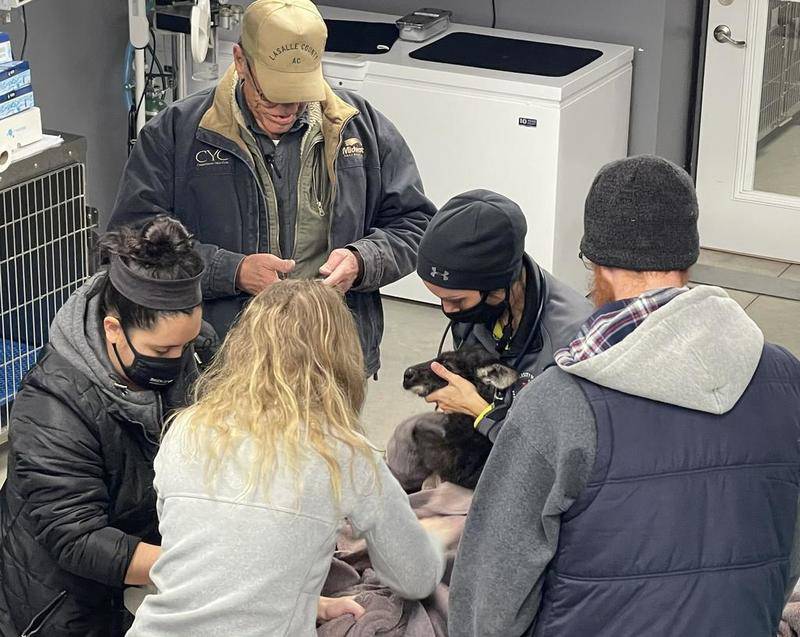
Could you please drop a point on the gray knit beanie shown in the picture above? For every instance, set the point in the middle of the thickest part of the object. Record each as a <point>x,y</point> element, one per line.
<point>641,214</point>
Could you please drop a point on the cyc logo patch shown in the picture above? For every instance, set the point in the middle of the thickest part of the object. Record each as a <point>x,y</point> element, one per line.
<point>212,158</point>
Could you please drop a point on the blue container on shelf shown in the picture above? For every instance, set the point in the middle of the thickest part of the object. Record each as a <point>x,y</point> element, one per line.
<point>16,102</point>
<point>14,76</point>
<point>15,361</point>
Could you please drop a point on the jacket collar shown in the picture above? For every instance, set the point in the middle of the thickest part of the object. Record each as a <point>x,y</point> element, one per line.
<point>523,341</point>
<point>225,118</point>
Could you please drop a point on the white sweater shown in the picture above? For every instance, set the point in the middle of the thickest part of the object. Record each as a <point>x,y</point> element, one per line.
<point>255,566</point>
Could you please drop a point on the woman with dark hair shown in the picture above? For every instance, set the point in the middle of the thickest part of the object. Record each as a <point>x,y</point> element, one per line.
<point>78,509</point>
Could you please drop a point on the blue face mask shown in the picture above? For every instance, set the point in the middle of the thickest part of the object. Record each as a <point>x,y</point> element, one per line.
<point>483,313</point>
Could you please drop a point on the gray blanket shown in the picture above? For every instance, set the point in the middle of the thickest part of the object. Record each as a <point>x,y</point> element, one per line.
<point>441,506</point>
<point>386,613</point>
<point>790,619</point>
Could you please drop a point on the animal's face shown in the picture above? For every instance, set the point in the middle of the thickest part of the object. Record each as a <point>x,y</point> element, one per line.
<point>483,369</point>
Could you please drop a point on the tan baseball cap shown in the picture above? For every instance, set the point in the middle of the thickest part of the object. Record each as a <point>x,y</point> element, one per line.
<point>284,41</point>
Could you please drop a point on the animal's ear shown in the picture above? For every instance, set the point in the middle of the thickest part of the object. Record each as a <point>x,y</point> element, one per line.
<point>497,375</point>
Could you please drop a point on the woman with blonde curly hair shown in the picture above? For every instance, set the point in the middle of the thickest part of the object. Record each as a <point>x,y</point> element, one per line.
<point>255,480</point>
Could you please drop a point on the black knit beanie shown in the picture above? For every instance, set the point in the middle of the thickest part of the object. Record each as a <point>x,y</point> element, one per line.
<point>641,214</point>
<point>475,242</point>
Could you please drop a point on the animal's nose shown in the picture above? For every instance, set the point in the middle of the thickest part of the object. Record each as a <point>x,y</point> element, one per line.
<point>409,376</point>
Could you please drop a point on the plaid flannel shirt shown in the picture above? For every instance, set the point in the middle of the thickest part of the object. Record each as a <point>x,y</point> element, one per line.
<point>612,323</point>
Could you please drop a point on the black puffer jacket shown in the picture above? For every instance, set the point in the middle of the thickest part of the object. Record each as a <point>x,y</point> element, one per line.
<point>79,495</point>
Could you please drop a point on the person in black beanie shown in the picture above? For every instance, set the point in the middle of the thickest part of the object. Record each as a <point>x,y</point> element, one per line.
<point>656,465</point>
<point>472,257</point>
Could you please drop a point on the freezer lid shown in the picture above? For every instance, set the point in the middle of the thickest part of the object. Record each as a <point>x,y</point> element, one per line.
<point>507,54</point>
<point>398,65</point>
<point>352,36</point>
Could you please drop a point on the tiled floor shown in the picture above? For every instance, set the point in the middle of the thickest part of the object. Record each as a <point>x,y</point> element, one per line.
<point>413,332</point>
<point>745,264</point>
<point>778,318</point>
<point>792,272</point>
<point>778,162</point>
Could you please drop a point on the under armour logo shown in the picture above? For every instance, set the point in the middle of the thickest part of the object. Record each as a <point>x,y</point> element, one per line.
<point>445,275</point>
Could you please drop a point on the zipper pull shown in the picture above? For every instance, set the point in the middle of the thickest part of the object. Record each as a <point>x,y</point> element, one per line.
<point>320,210</point>
<point>121,388</point>
<point>42,617</point>
<point>271,162</point>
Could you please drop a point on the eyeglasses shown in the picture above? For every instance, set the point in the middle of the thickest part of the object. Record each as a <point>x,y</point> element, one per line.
<point>259,92</point>
<point>586,263</point>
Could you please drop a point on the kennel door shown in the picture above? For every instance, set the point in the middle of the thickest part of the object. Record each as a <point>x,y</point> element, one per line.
<point>46,236</point>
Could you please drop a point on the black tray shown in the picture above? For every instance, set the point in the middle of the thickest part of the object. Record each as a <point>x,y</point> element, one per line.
<point>507,54</point>
<point>350,36</point>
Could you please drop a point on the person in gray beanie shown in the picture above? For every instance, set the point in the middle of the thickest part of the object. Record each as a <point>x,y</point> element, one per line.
<point>472,257</point>
<point>648,483</point>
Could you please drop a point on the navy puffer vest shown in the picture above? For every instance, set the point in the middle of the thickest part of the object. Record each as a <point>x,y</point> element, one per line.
<point>686,525</point>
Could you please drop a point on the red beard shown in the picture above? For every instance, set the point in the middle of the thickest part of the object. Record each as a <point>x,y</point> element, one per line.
<point>600,290</point>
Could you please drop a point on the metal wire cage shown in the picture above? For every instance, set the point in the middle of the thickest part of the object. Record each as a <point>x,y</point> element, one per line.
<point>780,91</point>
<point>46,237</point>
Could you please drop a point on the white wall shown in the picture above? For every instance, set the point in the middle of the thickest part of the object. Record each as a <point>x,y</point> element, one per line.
<point>76,47</point>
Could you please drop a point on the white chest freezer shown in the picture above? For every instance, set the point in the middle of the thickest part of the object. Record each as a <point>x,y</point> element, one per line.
<point>538,140</point>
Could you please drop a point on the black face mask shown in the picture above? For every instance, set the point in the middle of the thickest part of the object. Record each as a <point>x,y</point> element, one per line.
<point>481,314</point>
<point>150,372</point>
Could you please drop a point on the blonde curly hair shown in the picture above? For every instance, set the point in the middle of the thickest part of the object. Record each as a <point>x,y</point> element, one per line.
<point>289,379</point>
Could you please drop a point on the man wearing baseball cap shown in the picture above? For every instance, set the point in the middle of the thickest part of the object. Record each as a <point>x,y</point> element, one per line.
<point>277,175</point>
<point>649,483</point>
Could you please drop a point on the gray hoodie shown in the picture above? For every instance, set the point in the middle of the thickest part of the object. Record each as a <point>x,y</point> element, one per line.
<point>698,351</point>
<point>77,334</point>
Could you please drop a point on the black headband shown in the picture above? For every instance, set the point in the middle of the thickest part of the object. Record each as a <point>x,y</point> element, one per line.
<point>155,294</point>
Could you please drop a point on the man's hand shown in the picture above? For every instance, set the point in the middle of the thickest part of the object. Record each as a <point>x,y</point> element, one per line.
<point>330,608</point>
<point>341,270</point>
<point>258,271</point>
<point>460,395</point>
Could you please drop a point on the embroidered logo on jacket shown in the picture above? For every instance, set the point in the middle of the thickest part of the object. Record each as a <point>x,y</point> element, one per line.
<point>212,158</point>
<point>352,148</point>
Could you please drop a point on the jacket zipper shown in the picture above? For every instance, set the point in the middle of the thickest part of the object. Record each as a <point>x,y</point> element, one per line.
<point>159,420</point>
<point>314,188</point>
<point>160,410</point>
<point>41,618</point>
<point>274,200</point>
